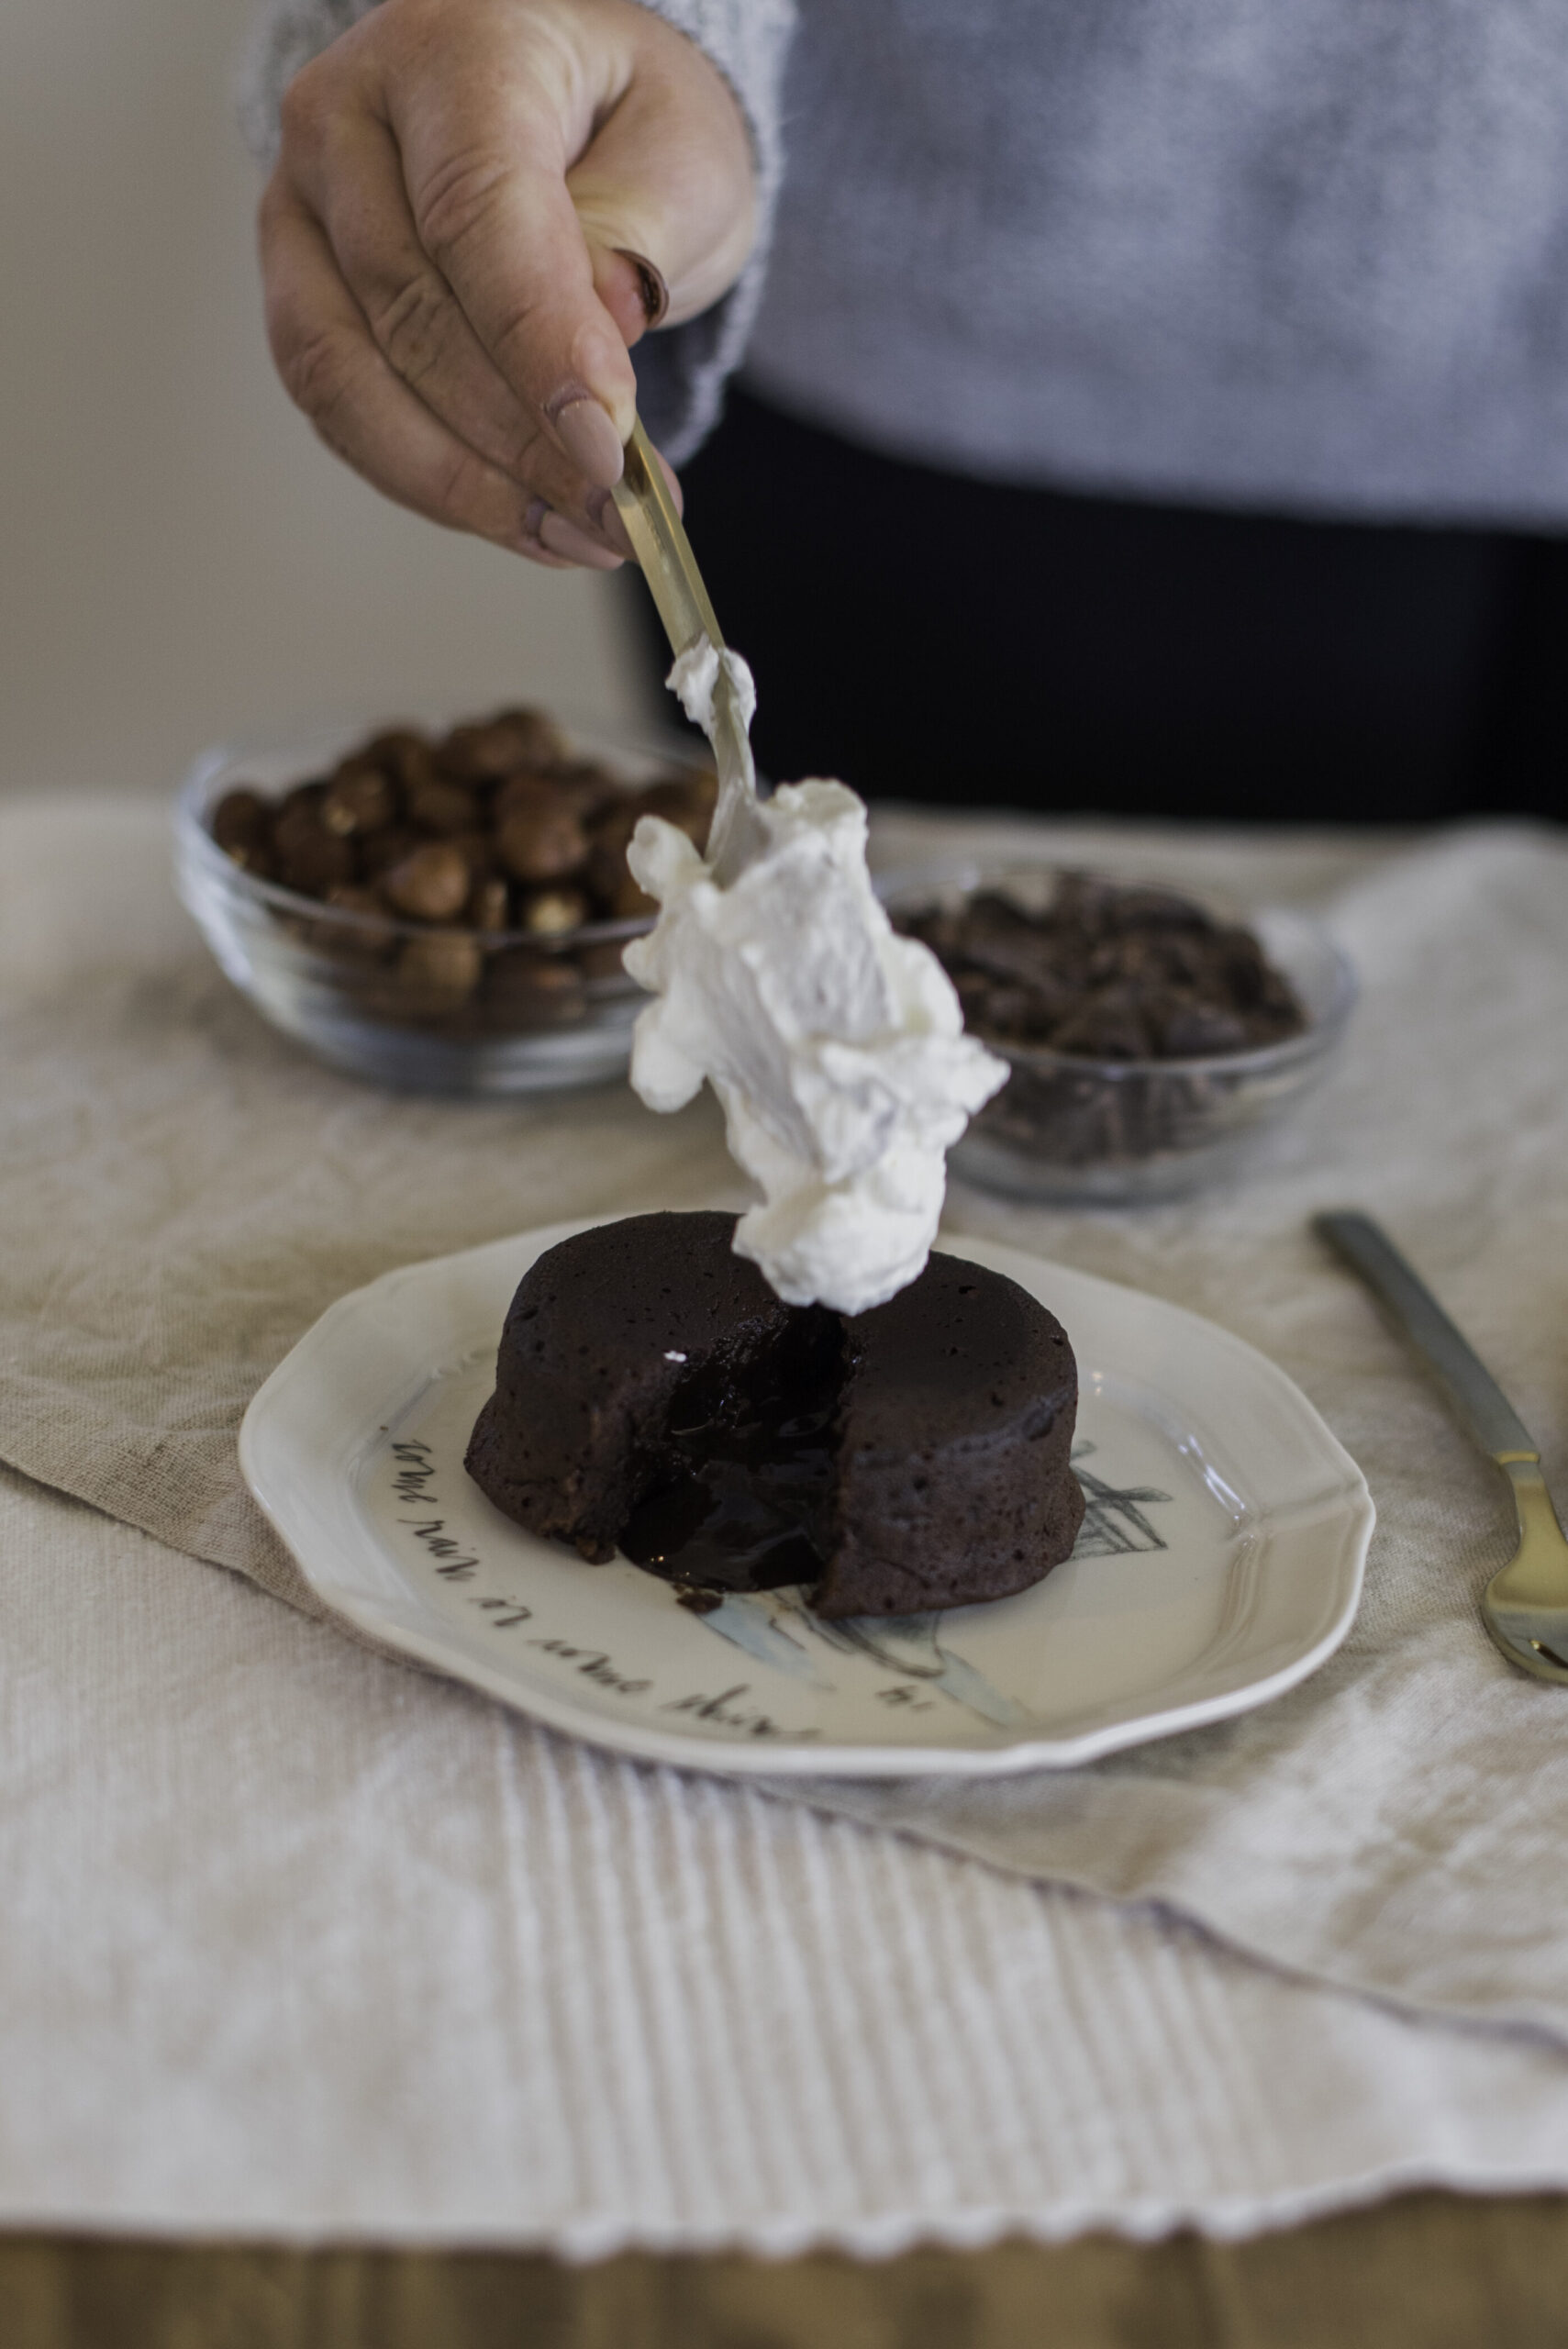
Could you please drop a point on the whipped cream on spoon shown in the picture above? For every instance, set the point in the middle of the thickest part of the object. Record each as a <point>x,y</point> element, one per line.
<point>835,1047</point>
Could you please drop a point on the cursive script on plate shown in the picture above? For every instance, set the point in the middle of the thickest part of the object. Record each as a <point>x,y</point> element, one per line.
<point>454,1557</point>
<point>775,1629</point>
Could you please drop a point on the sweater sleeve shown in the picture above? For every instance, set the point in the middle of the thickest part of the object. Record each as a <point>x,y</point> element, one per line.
<point>681,371</point>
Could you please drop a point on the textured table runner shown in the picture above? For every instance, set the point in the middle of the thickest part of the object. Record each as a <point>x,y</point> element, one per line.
<point>180,1194</point>
<point>300,1945</point>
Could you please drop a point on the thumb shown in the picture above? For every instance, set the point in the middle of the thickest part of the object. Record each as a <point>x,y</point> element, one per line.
<point>666,197</point>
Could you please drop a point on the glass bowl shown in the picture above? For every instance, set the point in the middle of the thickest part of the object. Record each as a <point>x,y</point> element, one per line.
<point>421,1009</point>
<point>1071,1129</point>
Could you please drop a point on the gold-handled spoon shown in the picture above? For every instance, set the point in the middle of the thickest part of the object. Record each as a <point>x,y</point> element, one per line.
<point>660,544</point>
<point>1525,1607</point>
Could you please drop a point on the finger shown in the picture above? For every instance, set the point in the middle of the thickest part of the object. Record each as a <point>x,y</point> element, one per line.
<point>352,179</point>
<point>682,208</point>
<point>486,171</point>
<point>562,537</point>
<point>606,521</point>
<point>360,406</point>
<point>349,173</point>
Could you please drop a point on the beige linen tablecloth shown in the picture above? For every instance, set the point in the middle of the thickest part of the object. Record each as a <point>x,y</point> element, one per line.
<point>299,1940</point>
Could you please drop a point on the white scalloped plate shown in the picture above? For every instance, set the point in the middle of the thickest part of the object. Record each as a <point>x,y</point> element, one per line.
<point>1220,1561</point>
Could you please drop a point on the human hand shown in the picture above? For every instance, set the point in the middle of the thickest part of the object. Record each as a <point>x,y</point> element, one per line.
<point>478,207</point>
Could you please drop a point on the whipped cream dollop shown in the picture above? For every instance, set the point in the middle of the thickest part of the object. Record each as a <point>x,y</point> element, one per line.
<point>694,681</point>
<point>836,1048</point>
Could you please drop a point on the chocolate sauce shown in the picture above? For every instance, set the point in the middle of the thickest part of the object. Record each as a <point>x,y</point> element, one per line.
<point>735,1490</point>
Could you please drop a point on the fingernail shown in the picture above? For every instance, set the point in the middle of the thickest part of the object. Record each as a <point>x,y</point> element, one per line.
<point>530,542</point>
<point>564,538</point>
<point>584,431</point>
<point>605,515</point>
<point>649,284</point>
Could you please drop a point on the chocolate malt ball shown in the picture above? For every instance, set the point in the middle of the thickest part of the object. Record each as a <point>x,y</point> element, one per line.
<point>513,739</point>
<point>602,961</point>
<point>366,936</point>
<point>440,970</point>
<point>479,847</point>
<point>403,754</point>
<point>553,912</point>
<point>431,883</point>
<point>242,825</point>
<point>382,850</point>
<point>360,799</point>
<point>685,801</point>
<point>489,903</point>
<point>310,858</point>
<point>626,900</point>
<point>542,844</point>
<point>443,806</point>
<point>606,871</point>
<point>527,794</point>
<point>527,989</point>
<point>585,790</point>
<point>363,904</point>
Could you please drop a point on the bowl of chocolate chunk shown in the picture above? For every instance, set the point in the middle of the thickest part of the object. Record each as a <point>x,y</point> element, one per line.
<point>1152,1036</point>
<point>438,906</point>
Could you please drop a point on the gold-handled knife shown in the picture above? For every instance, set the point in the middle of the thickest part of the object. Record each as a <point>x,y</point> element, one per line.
<point>663,548</point>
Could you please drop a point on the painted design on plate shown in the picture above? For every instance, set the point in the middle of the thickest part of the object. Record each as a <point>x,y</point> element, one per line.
<point>778,1628</point>
<point>450,1552</point>
<point>917,1664</point>
<point>1114,1521</point>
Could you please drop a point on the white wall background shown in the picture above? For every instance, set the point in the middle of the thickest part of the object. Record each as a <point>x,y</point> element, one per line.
<point>179,558</point>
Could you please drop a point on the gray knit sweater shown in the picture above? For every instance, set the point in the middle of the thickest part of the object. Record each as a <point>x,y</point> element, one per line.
<point>1305,254</point>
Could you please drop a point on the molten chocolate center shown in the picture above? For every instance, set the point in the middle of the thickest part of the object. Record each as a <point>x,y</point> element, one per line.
<point>734,1493</point>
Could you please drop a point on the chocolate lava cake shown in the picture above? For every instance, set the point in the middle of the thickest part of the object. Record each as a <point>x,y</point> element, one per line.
<point>653,1395</point>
